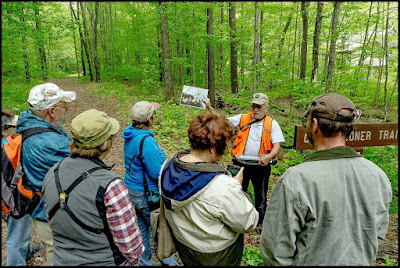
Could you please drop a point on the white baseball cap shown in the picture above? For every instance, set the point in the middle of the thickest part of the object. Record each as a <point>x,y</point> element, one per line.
<point>44,96</point>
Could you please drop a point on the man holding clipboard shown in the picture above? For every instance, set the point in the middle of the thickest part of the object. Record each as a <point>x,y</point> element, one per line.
<point>256,146</point>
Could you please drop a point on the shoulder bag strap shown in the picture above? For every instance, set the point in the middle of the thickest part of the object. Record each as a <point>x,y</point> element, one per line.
<point>146,186</point>
<point>63,197</point>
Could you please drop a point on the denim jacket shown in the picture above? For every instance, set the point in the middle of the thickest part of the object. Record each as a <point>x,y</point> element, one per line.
<point>332,209</point>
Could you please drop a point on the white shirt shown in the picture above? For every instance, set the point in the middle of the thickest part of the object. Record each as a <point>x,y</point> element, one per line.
<point>253,143</point>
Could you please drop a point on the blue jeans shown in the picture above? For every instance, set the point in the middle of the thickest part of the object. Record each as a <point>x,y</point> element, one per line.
<point>142,210</point>
<point>18,240</point>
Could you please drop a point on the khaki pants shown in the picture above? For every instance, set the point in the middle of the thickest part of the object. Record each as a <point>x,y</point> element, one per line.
<point>44,232</point>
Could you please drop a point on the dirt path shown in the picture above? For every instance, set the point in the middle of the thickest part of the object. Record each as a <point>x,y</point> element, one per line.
<point>86,100</point>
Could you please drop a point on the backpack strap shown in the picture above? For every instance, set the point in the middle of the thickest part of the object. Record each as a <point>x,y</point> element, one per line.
<point>64,194</point>
<point>37,130</point>
<point>146,186</point>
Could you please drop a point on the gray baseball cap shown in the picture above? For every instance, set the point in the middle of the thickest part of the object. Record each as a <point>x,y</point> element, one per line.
<point>143,110</point>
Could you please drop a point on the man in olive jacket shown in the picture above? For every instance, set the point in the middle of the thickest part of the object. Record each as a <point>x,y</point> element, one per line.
<point>332,209</point>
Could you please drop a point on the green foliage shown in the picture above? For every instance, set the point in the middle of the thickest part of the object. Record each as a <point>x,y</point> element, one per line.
<point>386,157</point>
<point>15,93</point>
<point>252,256</point>
<point>390,261</point>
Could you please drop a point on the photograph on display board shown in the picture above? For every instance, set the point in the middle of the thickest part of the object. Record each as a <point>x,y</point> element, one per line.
<point>194,96</point>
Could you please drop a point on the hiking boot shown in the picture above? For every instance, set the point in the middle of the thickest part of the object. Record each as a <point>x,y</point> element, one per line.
<point>34,250</point>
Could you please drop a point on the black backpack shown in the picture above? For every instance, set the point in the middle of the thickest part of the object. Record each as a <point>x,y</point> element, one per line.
<point>17,197</point>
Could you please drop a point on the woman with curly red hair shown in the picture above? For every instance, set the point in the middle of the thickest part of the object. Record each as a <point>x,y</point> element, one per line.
<point>205,206</point>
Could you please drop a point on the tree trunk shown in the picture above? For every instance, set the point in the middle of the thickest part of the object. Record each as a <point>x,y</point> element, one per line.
<point>361,60</point>
<point>210,54</point>
<point>232,24</point>
<point>81,38</point>
<point>181,73</point>
<point>317,32</point>
<point>86,42</point>
<point>221,50</point>
<point>24,49</point>
<point>373,40</point>
<point>242,53</point>
<point>387,62</point>
<point>169,92</point>
<point>332,48</point>
<point>282,41</point>
<point>294,48</point>
<point>304,13</point>
<point>95,58</point>
<point>256,50</point>
<point>73,34</point>
<point>160,58</point>
<point>112,39</point>
<point>261,36</point>
<point>193,48</point>
<point>41,50</point>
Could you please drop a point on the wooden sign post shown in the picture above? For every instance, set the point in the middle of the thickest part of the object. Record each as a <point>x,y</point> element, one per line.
<point>363,135</point>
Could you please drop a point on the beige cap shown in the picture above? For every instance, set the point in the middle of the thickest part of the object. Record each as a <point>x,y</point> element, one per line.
<point>44,96</point>
<point>92,128</point>
<point>329,106</point>
<point>143,110</point>
<point>260,99</point>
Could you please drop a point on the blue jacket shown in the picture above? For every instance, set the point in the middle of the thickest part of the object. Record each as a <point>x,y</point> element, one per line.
<point>153,158</point>
<point>40,152</point>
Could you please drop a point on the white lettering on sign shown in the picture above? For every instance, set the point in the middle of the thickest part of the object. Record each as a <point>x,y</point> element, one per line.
<point>388,135</point>
<point>305,138</point>
<point>360,136</point>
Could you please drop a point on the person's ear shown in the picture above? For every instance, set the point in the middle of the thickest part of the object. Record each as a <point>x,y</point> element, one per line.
<point>314,125</point>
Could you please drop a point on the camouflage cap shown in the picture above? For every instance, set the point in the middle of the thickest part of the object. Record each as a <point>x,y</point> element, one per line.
<point>92,128</point>
<point>260,99</point>
<point>329,106</point>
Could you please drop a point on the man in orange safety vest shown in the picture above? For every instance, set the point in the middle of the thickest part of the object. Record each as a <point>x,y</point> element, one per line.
<point>255,147</point>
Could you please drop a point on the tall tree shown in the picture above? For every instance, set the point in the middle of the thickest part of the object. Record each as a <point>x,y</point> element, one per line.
<point>73,34</point>
<point>232,25</point>
<point>41,50</point>
<point>77,21</point>
<point>24,48</point>
<point>221,48</point>
<point>282,42</point>
<point>256,50</point>
<point>193,48</point>
<point>169,92</point>
<point>363,48</point>
<point>210,54</point>
<point>86,42</point>
<point>386,61</point>
<point>317,32</point>
<point>304,13</point>
<point>261,36</point>
<point>242,49</point>
<point>378,12</point>
<point>95,33</point>
<point>294,47</point>
<point>332,48</point>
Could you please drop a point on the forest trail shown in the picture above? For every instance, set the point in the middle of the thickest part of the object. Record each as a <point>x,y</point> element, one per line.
<point>87,100</point>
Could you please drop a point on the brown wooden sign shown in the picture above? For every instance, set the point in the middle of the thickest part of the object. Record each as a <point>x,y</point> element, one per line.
<point>363,135</point>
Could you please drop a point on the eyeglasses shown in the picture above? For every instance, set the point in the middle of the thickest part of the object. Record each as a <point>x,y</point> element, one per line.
<point>65,106</point>
<point>256,106</point>
<point>7,127</point>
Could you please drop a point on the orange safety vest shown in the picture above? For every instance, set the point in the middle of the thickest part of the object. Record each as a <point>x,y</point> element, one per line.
<point>241,139</point>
